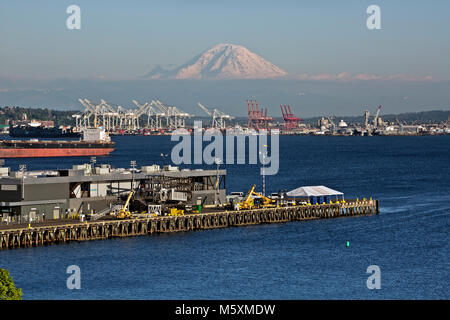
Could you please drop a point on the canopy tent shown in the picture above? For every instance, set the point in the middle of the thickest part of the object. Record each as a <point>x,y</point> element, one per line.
<point>313,191</point>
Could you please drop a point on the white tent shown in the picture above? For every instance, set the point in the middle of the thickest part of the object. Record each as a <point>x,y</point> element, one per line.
<point>313,191</point>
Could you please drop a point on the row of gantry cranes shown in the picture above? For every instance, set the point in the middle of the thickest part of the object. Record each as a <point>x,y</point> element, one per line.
<point>116,118</point>
<point>156,116</point>
<point>153,115</point>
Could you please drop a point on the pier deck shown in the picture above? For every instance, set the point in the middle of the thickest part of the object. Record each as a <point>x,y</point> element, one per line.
<point>52,232</point>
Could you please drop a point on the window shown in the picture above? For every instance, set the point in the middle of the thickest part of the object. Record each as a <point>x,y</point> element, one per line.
<point>9,187</point>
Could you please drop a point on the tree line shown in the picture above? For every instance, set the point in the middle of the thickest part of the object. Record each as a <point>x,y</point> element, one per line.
<point>43,114</point>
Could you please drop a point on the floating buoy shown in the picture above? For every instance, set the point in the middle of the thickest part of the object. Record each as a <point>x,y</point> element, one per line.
<point>347,244</point>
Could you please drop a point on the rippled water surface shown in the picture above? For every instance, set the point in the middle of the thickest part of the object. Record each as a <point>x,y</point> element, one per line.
<point>408,240</point>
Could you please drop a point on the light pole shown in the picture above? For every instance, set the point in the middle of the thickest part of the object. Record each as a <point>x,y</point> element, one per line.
<point>218,161</point>
<point>162,184</point>
<point>164,156</point>
<point>22,169</point>
<point>133,165</point>
<point>263,154</point>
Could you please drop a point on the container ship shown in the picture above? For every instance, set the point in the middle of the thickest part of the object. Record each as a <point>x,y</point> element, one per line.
<point>30,131</point>
<point>94,142</point>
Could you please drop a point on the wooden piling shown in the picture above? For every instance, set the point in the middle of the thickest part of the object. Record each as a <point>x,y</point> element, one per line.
<point>44,235</point>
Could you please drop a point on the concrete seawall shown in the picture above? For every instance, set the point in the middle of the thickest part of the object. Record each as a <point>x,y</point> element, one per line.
<point>13,237</point>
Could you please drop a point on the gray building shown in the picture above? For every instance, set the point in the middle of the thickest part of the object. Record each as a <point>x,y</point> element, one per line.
<point>42,195</point>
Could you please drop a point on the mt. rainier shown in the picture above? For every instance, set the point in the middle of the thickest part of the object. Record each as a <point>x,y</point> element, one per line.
<point>223,61</point>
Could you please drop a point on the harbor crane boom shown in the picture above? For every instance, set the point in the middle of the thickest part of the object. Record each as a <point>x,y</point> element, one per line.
<point>375,117</point>
<point>218,117</point>
<point>205,109</point>
<point>333,125</point>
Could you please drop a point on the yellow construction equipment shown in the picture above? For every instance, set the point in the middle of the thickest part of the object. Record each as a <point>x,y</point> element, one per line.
<point>247,203</point>
<point>250,203</point>
<point>124,212</point>
<point>176,212</point>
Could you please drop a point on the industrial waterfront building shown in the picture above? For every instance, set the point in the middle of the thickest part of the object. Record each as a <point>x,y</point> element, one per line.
<point>89,189</point>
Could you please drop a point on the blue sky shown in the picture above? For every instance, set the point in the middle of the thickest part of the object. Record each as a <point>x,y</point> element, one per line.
<point>126,39</point>
<point>123,40</point>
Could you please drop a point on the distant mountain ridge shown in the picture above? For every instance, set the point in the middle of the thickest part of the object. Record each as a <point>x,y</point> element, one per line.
<point>223,61</point>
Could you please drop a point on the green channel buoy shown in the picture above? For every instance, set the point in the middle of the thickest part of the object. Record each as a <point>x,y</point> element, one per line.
<point>347,244</point>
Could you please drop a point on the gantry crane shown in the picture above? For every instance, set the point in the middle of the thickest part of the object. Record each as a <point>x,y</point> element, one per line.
<point>333,125</point>
<point>366,120</point>
<point>290,120</point>
<point>152,115</point>
<point>119,117</point>
<point>90,110</point>
<point>218,117</point>
<point>375,117</point>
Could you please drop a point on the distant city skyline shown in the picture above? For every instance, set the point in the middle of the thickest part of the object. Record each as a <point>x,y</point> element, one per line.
<point>314,42</point>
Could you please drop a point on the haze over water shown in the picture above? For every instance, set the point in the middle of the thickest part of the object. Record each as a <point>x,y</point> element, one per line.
<point>408,240</point>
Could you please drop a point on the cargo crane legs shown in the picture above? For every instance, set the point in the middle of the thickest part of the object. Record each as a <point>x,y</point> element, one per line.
<point>257,119</point>
<point>290,120</point>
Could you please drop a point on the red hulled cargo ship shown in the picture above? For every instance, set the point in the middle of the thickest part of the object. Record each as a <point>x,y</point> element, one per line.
<point>95,142</point>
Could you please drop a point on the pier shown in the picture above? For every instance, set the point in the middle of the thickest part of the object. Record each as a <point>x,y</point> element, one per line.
<point>58,232</point>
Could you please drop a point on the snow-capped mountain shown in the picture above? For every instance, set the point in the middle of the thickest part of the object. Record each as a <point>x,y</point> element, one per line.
<point>223,61</point>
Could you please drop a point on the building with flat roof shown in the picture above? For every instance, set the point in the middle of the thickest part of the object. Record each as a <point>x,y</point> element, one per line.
<point>87,189</point>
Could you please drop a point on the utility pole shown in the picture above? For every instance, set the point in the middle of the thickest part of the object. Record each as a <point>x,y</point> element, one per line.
<point>133,165</point>
<point>22,169</point>
<point>263,153</point>
<point>164,156</point>
<point>162,183</point>
<point>216,198</point>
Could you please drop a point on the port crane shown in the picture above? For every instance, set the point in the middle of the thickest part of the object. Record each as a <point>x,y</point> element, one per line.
<point>86,115</point>
<point>400,125</point>
<point>111,115</point>
<point>366,119</point>
<point>333,125</point>
<point>375,117</point>
<point>257,119</point>
<point>118,117</point>
<point>370,127</point>
<point>218,117</point>
<point>97,111</point>
<point>164,111</point>
<point>289,118</point>
<point>180,117</point>
<point>152,115</point>
<point>175,117</point>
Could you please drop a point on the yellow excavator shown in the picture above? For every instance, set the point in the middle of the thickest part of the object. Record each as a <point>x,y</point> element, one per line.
<point>124,212</point>
<point>250,203</point>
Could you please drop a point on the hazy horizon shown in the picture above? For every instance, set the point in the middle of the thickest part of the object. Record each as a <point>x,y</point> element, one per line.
<point>306,98</point>
<point>335,64</point>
